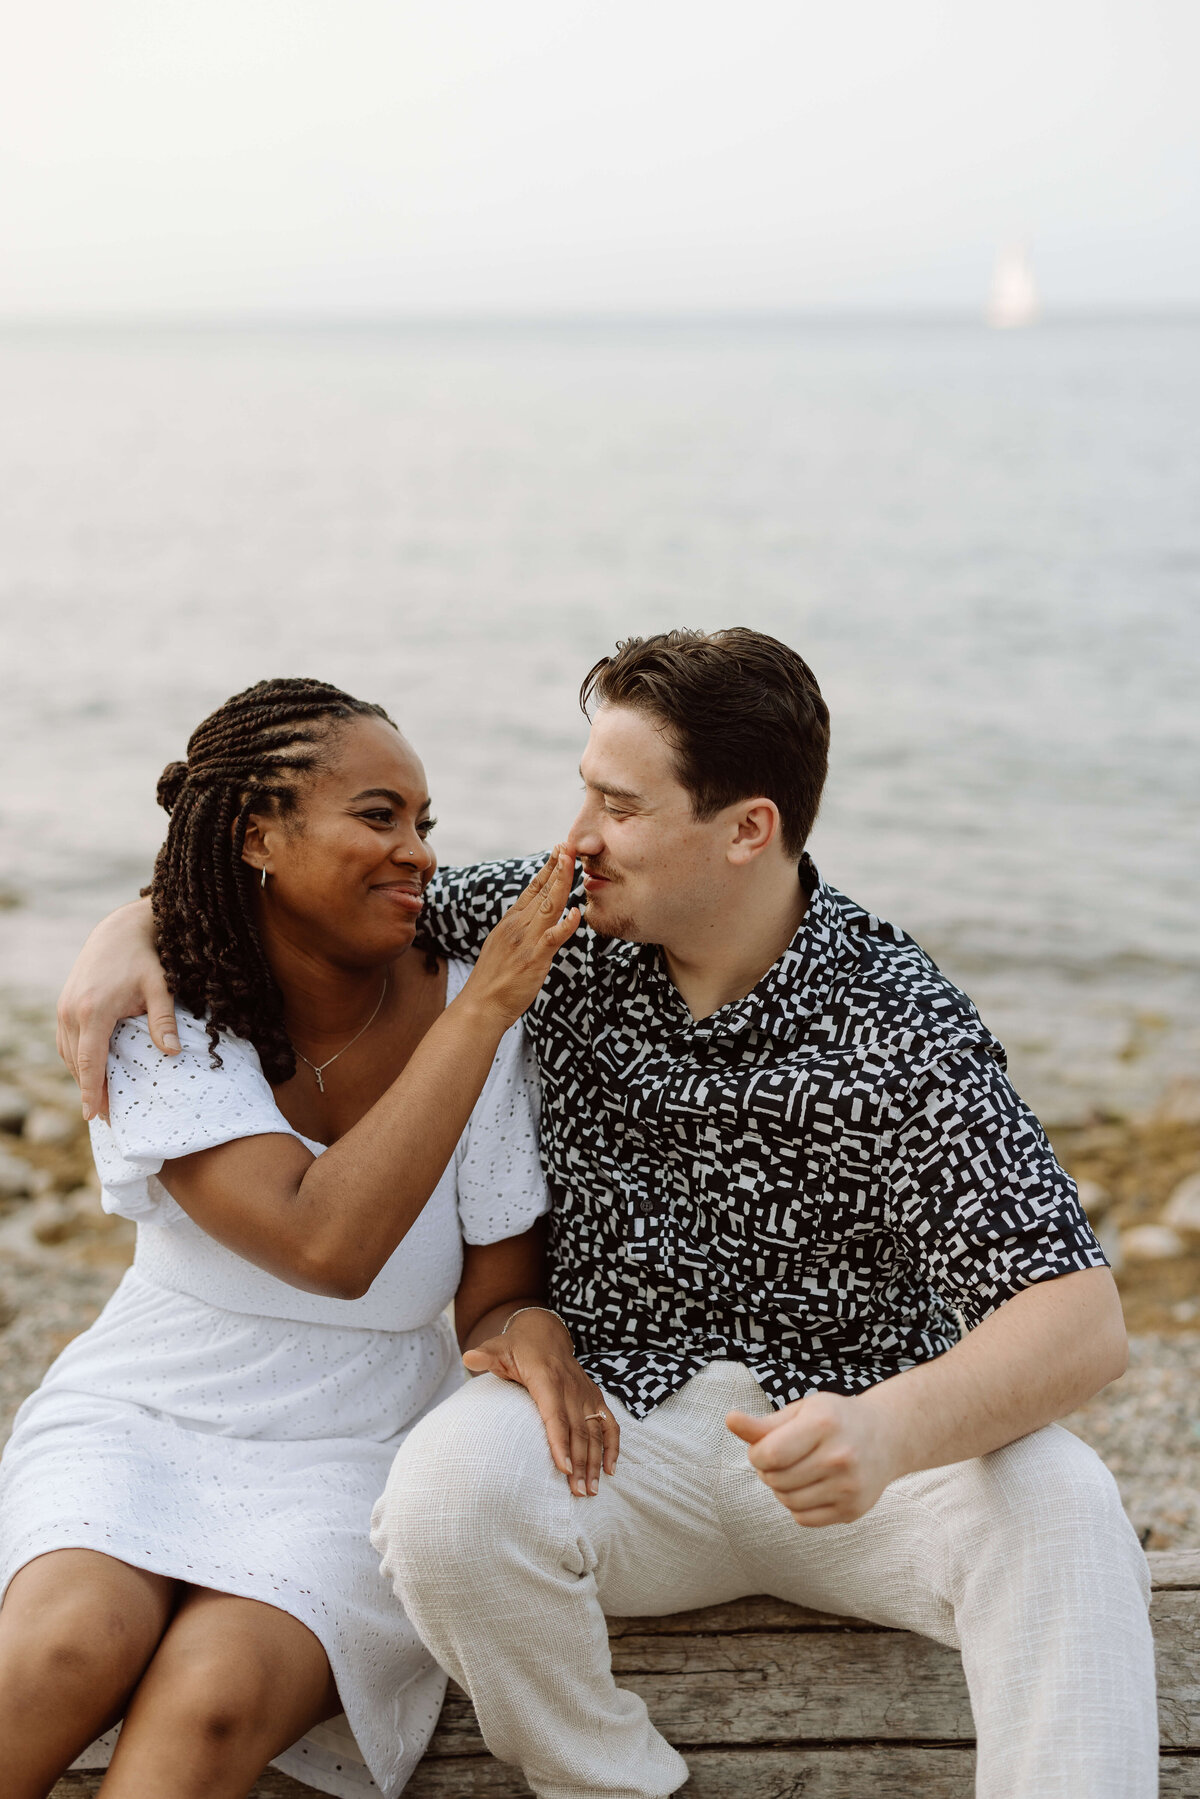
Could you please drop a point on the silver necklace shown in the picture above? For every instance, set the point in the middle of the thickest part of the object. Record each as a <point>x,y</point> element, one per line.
<point>319,1071</point>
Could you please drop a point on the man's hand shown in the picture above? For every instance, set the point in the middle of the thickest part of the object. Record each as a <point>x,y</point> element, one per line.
<point>1037,1357</point>
<point>535,1351</point>
<point>827,1458</point>
<point>117,975</point>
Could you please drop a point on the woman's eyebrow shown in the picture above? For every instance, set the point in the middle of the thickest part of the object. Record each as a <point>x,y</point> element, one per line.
<point>389,793</point>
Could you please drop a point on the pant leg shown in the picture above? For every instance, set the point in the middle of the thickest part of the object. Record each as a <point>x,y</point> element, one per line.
<point>506,1576</point>
<point>1026,1562</point>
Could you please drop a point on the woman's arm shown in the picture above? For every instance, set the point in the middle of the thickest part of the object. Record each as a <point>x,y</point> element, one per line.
<point>329,1223</point>
<point>500,1280</point>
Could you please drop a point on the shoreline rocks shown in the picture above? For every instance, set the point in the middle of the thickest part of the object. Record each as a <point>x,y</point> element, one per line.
<point>61,1256</point>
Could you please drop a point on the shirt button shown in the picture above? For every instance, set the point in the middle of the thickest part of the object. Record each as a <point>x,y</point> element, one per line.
<point>645,1207</point>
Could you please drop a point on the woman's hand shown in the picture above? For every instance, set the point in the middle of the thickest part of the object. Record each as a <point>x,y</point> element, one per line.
<point>536,1352</point>
<point>117,975</point>
<point>517,953</point>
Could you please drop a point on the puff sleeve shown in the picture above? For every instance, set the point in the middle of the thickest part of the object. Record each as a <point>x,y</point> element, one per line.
<point>161,1107</point>
<point>501,1188</point>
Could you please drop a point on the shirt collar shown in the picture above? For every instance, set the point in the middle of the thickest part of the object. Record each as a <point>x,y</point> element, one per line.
<point>794,989</point>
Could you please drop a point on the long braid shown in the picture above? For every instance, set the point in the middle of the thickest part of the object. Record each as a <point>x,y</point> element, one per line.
<point>251,755</point>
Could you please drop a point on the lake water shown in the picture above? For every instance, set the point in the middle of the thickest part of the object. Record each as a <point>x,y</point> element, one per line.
<point>987,545</point>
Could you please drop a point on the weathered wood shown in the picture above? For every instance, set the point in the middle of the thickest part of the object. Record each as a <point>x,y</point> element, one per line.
<point>1176,1620</point>
<point>1175,1568</point>
<point>84,1784</point>
<point>775,1688</point>
<point>827,1686</point>
<point>897,1772</point>
<point>739,1614</point>
<point>760,1694</point>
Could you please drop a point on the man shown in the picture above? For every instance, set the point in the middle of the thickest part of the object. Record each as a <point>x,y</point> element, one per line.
<point>819,1258</point>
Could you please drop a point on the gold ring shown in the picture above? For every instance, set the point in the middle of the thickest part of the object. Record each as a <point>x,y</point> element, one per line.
<point>588,1416</point>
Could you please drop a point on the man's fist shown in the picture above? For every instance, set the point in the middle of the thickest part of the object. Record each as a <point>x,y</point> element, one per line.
<point>827,1458</point>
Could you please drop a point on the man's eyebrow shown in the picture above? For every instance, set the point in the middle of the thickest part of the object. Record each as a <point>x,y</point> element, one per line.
<point>389,793</point>
<point>610,792</point>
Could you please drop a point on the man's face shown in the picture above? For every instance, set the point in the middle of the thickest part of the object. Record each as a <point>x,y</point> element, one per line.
<point>652,871</point>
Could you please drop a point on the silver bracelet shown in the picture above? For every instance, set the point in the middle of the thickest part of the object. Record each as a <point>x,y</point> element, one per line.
<point>552,1313</point>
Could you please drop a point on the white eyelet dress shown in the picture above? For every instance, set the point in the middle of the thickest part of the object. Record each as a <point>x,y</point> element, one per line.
<point>220,1427</point>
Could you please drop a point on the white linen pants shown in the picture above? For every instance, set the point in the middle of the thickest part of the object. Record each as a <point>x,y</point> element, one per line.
<point>1023,1560</point>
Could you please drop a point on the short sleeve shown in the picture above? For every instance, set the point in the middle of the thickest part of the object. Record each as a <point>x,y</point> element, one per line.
<point>462,904</point>
<point>166,1106</point>
<point>976,1191</point>
<point>501,1188</point>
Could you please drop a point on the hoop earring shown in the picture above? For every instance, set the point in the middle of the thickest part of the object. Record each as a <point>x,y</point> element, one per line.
<point>264,877</point>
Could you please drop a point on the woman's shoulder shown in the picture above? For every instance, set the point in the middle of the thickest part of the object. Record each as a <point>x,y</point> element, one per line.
<point>135,1051</point>
<point>160,1106</point>
<point>148,1089</point>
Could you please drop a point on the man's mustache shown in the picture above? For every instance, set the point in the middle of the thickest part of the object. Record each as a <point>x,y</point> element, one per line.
<point>599,872</point>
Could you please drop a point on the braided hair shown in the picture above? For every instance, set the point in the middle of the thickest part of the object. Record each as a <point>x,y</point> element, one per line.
<point>253,754</point>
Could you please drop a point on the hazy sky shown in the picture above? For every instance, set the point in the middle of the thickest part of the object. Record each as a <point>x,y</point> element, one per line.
<point>372,156</point>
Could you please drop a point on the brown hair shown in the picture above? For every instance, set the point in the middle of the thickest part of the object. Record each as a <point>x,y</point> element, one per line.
<point>742,712</point>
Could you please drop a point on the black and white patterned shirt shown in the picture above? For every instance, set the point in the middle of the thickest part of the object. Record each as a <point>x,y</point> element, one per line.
<point>815,1181</point>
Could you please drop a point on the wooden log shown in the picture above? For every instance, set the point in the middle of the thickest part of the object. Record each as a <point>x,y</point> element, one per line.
<point>772,1701</point>
<point>897,1772</point>
<point>775,1688</point>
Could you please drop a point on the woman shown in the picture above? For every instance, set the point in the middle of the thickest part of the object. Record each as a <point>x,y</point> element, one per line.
<point>185,1502</point>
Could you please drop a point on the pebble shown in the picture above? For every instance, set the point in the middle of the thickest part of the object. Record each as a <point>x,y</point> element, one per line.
<point>1180,1104</point>
<point>52,1218</point>
<point>1146,1427</point>
<point>1108,1236</point>
<point>14,1107</point>
<point>51,1127</point>
<point>17,1178</point>
<point>1182,1211</point>
<point>1094,1199</point>
<point>1150,1243</point>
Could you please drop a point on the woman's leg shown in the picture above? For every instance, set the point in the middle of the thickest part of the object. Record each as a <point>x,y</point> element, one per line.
<point>233,1683</point>
<point>77,1628</point>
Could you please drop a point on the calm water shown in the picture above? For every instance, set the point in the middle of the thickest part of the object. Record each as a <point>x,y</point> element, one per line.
<point>988,547</point>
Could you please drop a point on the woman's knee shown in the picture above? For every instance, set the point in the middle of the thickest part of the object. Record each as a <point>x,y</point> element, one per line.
<point>213,1705</point>
<point>73,1642</point>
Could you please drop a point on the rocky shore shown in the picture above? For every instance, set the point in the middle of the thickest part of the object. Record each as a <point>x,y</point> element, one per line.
<point>1139,1177</point>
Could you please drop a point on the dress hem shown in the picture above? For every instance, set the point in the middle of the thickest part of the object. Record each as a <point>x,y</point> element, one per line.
<point>37,1546</point>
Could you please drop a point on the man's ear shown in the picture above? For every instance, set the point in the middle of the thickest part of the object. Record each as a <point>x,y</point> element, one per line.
<point>755,828</point>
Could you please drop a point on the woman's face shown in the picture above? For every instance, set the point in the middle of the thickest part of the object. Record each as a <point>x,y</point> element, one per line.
<point>346,870</point>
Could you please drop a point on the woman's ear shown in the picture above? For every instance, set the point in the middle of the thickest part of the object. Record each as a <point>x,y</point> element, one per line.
<point>256,851</point>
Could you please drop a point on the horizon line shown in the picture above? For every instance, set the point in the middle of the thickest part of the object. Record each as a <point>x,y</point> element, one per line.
<point>397,318</point>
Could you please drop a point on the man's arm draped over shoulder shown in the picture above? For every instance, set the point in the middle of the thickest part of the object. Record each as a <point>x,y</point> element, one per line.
<point>118,975</point>
<point>462,904</point>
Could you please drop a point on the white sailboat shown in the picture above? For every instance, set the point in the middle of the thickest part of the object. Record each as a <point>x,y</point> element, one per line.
<point>1013,301</point>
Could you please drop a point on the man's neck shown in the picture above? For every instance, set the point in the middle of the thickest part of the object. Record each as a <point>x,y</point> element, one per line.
<point>729,954</point>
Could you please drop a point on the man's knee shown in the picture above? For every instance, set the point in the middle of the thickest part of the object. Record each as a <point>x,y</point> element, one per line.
<point>1049,1498</point>
<point>473,1484</point>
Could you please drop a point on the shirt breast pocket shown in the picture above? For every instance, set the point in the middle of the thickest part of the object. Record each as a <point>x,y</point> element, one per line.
<point>831,1217</point>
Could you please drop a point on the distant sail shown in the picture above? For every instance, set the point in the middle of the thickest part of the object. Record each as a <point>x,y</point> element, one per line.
<point>1013,300</point>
